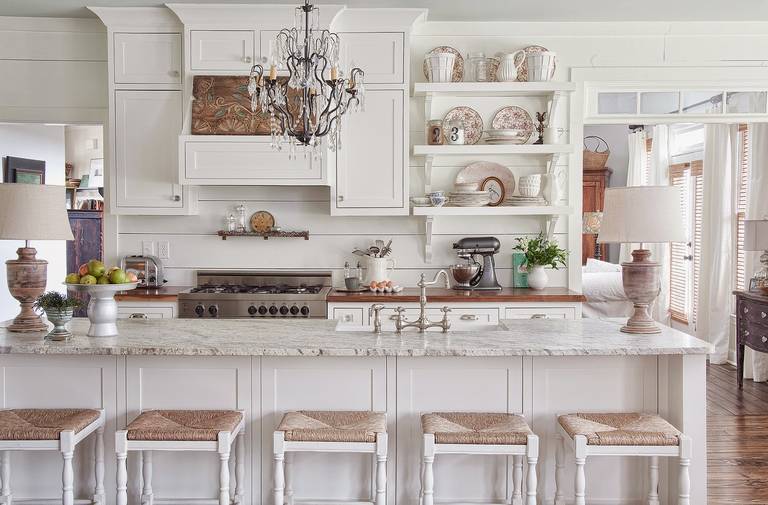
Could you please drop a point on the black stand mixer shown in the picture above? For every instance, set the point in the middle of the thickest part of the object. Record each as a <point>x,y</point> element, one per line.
<point>470,247</point>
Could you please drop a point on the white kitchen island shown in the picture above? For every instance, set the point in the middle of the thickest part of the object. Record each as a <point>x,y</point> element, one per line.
<point>267,367</point>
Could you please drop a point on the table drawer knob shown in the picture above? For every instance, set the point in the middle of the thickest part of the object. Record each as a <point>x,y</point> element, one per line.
<point>138,315</point>
<point>469,317</point>
<point>746,309</point>
<point>746,333</point>
<point>764,339</point>
<point>763,315</point>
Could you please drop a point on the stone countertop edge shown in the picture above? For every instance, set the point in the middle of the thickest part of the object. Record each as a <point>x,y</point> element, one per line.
<point>292,338</point>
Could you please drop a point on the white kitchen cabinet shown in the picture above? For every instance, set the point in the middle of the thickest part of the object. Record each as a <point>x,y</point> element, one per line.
<point>147,125</point>
<point>147,58</point>
<point>380,55</point>
<point>218,50</point>
<point>350,316</point>
<point>543,312</point>
<point>370,167</point>
<point>146,310</point>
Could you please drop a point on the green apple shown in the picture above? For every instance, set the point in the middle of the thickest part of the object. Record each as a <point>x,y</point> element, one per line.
<point>88,279</point>
<point>103,280</point>
<point>96,268</point>
<point>118,277</point>
<point>72,279</point>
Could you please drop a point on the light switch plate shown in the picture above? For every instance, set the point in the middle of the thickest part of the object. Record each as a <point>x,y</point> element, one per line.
<point>147,248</point>
<point>163,250</point>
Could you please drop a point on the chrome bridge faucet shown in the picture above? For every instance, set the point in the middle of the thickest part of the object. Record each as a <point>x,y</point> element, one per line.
<point>422,323</point>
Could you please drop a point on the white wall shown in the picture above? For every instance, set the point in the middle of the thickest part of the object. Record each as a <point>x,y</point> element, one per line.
<point>616,138</point>
<point>37,142</point>
<point>79,146</point>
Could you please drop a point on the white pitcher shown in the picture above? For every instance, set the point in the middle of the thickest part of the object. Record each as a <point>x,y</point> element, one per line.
<point>379,269</point>
<point>508,68</point>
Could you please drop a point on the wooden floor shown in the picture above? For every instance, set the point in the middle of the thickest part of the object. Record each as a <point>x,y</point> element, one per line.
<point>737,439</point>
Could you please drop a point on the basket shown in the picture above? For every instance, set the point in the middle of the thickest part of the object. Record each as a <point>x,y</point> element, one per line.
<point>595,158</point>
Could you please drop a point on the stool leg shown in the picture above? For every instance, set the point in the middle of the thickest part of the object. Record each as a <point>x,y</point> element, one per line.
<point>121,448</point>
<point>531,483</point>
<point>421,476</point>
<point>289,478</point>
<point>580,442</point>
<point>240,467</point>
<point>560,471</point>
<point>146,475</point>
<point>278,451</point>
<point>224,449</point>
<point>98,495</point>
<point>381,468</point>
<point>67,446</point>
<point>428,489</point>
<point>5,470</point>
<point>653,480</point>
<point>684,481</point>
<point>517,480</point>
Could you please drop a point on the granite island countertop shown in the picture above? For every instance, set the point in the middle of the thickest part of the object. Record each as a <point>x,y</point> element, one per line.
<point>319,337</point>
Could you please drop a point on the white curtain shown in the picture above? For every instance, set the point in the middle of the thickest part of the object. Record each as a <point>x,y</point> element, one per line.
<point>757,208</point>
<point>636,176</point>
<point>658,175</point>
<point>717,251</point>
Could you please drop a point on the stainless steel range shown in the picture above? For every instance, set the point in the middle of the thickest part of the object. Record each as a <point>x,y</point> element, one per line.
<point>257,294</point>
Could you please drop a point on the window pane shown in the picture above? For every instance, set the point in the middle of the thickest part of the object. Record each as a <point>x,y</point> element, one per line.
<point>659,102</point>
<point>745,101</point>
<point>616,103</point>
<point>702,102</point>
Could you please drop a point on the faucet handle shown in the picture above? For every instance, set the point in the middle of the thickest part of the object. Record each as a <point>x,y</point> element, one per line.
<point>445,309</point>
<point>375,309</point>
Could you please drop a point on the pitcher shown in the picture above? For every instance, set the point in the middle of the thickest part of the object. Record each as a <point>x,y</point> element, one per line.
<point>379,269</point>
<point>508,67</point>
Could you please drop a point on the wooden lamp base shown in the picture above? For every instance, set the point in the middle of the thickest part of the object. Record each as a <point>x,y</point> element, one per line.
<point>641,279</point>
<point>27,277</point>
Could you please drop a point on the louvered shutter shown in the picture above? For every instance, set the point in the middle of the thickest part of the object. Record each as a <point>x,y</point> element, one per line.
<point>741,257</point>
<point>697,183</point>
<point>679,265</point>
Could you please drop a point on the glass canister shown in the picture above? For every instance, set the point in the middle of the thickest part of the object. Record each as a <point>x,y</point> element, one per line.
<point>455,133</point>
<point>477,67</point>
<point>435,132</point>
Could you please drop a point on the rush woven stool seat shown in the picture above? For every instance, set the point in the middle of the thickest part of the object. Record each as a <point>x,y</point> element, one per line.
<point>52,430</point>
<point>183,430</point>
<point>486,433</point>
<point>329,431</point>
<point>621,434</point>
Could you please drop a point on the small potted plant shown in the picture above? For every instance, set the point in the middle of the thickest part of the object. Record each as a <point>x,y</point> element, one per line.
<point>59,310</point>
<point>540,253</point>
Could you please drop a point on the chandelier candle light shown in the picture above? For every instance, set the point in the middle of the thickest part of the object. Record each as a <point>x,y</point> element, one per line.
<point>310,102</point>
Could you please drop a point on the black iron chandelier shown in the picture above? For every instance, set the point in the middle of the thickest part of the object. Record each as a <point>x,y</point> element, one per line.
<point>308,103</point>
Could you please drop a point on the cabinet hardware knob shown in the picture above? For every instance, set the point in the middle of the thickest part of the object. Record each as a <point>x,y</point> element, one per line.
<point>348,318</point>
<point>176,198</point>
<point>247,59</point>
<point>469,317</point>
<point>540,316</point>
<point>340,198</point>
<point>763,315</point>
<point>138,315</point>
<point>746,333</point>
<point>764,339</point>
<point>175,73</point>
<point>746,309</point>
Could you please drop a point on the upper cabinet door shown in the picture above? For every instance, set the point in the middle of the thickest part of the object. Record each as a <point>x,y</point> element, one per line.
<point>379,55</point>
<point>222,49</point>
<point>370,166</point>
<point>147,127</point>
<point>147,58</point>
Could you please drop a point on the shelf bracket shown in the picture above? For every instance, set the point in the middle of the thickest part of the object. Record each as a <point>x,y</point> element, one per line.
<point>552,106</point>
<point>428,224</point>
<point>554,159</point>
<point>428,106</point>
<point>428,173</point>
<point>549,225</point>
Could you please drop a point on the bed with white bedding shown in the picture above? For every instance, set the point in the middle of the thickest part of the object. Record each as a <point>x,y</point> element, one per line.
<point>602,286</point>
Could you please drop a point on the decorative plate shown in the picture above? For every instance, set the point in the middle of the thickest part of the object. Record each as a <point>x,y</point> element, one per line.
<point>522,74</point>
<point>495,188</point>
<point>262,221</point>
<point>479,171</point>
<point>514,118</point>
<point>473,123</point>
<point>458,64</point>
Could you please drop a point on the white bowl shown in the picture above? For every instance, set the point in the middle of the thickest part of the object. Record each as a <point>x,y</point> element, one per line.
<point>529,185</point>
<point>102,308</point>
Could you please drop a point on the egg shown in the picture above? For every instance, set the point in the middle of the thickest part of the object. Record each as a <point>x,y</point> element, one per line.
<point>382,284</point>
<point>389,284</point>
<point>372,285</point>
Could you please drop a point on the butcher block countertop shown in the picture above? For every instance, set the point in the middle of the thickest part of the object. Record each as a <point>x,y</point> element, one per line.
<point>441,295</point>
<point>161,294</point>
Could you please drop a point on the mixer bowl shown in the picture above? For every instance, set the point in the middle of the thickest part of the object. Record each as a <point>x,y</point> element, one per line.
<point>464,273</point>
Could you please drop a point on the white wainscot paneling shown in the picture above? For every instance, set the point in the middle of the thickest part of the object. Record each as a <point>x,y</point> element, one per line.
<point>454,384</point>
<point>191,383</point>
<point>59,382</point>
<point>326,384</point>
<point>592,384</point>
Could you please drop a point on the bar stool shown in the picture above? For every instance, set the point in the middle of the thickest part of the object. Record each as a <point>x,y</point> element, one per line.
<point>183,430</point>
<point>328,431</point>
<point>623,434</point>
<point>52,430</point>
<point>489,434</point>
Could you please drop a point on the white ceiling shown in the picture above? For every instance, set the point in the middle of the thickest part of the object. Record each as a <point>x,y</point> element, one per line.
<point>468,10</point>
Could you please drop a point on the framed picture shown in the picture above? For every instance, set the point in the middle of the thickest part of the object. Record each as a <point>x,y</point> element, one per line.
<point>96,173</point>
<point>23,170</point>
<point>519,271</point>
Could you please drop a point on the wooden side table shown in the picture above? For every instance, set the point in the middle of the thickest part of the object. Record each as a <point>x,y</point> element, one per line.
<point>751,327</point>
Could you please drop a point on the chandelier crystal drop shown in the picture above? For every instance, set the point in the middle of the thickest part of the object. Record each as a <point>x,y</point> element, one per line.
<point>309,102</point>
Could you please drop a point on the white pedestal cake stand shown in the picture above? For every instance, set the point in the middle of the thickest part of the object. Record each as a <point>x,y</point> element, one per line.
<point>102,309</point>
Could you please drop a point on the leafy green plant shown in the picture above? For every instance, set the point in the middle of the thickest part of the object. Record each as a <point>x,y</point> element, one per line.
<point>541,251</point>
<point>53,300</point>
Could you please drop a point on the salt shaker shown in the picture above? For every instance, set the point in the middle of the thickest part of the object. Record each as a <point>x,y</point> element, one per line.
<point>231,223</point>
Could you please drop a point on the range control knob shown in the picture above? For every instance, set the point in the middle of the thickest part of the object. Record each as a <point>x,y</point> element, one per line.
<point>294,310</point>
<point>262,310</point>
<point>252,310</point>
<point>273,310</point>
<point>199,310</point>
<point>213,310</point>
<point>305,311</point>
<point>283,310</point>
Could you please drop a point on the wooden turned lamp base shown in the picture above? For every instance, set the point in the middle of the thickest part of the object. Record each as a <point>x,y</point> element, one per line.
<point>641,279</point>
<point>27,278</point>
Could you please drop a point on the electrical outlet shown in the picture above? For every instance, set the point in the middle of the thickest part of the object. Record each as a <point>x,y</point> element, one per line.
<point>147,248</point>
<point>163,250</point>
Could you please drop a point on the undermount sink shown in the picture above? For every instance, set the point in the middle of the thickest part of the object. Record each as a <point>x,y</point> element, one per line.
<point>475,328</point>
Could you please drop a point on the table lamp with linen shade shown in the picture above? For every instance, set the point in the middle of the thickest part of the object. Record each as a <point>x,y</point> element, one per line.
<point>756,239</point>
<point>642,214</point>
<point>31,212</point>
